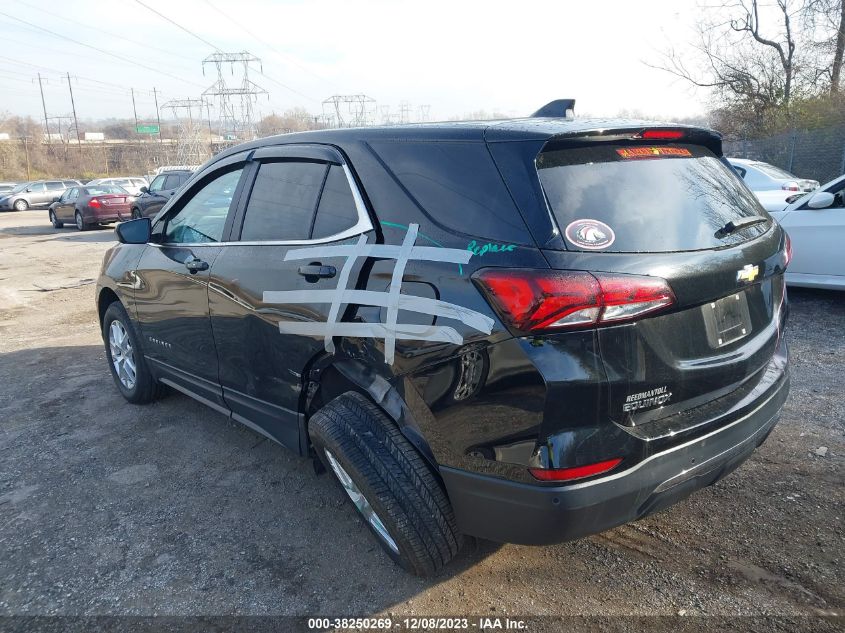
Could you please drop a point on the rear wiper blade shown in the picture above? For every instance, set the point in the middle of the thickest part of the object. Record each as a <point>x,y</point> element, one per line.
<point>735,225</point>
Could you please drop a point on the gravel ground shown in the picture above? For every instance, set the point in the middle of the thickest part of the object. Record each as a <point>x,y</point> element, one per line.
<point>171,509</point>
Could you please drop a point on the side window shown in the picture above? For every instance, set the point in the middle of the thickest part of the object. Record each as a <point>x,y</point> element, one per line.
<point>281,205</point>
<point>72,194</point>
<point>174,181</point>
<point>54,185</point>
<point>38,187</point>
<point>739,170</point>
<point>158,183</point>
<point>70,183</point>
<point>336,211</point>
<point>203,216</point>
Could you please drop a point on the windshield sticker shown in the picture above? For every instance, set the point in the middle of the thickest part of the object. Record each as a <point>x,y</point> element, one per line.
<point>391,330</point>
<point>653,152</point>
<point>482,249</point>
<point>590,234</point>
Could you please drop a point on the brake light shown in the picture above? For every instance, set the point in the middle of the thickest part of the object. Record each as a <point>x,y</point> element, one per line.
<point>787,250</point>
<point>576,472</point>
<point>790,186</point>
<point>663,135</point>
<point>95,202</point>
<point>537,300</point>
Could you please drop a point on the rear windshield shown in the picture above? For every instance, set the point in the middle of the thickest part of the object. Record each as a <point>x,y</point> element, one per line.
<point>619,198</point>
<point>774,172</point>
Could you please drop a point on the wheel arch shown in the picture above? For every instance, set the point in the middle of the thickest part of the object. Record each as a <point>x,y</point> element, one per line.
<point>105,298</point>
<point>330,377</point>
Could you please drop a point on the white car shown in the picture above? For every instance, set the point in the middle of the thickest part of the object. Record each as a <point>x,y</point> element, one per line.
<point>760,176</point>
<point>815,223</point>
<point>132,184</point>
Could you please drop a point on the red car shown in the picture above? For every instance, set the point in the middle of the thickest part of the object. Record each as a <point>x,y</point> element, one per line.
<point>91,205</point>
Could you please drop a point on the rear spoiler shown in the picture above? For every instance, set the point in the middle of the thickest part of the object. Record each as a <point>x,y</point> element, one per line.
<point>694,135</point>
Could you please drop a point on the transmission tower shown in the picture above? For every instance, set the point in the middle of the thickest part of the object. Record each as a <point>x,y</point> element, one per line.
<point>350,110</point>
<point>235,103</point>
<point>191,149</point>
<point>424,112</point>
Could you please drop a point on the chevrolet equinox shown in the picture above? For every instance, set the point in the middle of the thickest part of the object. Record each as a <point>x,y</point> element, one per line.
<point>527,331</point>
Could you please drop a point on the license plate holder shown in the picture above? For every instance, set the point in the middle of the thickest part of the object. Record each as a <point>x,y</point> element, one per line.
<point>727,320</point>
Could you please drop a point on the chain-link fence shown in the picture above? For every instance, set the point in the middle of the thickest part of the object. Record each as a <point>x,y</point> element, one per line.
<point>817,154</point>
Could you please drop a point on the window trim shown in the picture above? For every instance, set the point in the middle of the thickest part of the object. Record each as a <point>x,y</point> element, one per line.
<point>363,225</point>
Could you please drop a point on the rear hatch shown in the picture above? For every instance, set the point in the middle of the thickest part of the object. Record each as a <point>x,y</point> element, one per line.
<point>674,211</point>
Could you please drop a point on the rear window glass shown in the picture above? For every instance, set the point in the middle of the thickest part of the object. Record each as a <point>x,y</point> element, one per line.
<point>645,199</point>
<point>774,172</point>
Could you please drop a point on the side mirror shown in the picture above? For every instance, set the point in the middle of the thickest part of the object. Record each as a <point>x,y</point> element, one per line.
<point>821,200</point>
<point>56,199</point>
<point>134,231</point>
<point>28,189</point>
<point>144,190</point>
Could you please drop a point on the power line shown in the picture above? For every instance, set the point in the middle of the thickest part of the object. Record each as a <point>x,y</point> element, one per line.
<point>268,44</point>
<point>179,26</point>
<point>217,49</point>
<point>99,29</point>
<point>100,50</point>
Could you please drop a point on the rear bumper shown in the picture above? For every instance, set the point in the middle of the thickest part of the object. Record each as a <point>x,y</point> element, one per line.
<point>512,512</point>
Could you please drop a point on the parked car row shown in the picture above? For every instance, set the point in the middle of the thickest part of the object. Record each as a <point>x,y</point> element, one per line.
<point>772,185</point>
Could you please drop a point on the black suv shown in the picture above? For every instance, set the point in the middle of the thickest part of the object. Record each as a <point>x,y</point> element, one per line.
<point>527,330</point>
<point>161,189</point>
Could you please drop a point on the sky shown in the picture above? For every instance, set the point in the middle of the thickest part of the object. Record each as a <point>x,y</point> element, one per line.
<point>457,57</point>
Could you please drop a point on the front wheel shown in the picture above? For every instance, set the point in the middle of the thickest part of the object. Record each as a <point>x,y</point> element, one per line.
<point>136,215</point>
<point>395,493</point>
<point>57,224</point>
<point>21,205</point>
<point>125,358</point>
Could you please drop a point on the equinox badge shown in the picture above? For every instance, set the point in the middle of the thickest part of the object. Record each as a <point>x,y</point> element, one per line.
<point>747,273</point>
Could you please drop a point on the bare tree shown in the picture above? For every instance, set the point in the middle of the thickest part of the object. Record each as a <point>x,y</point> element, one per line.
<point>825,19</point>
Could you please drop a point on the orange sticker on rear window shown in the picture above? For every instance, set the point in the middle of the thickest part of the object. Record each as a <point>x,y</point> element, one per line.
<point>652,152</point>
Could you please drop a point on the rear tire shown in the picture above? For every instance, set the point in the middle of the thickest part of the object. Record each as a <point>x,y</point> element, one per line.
<point>126,358</point>
<point>391,486</point>
<point>136,215</point>
<point>55,221</point>
<point>21,205</point>
<point>80,223</point>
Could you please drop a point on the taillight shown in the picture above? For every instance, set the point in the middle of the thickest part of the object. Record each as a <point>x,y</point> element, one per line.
<point>576,472</point>
<point>663,135</point>
<point>787,251</point>
<point>95,202</point>
<point>531,301</point>
<point>790,186</point>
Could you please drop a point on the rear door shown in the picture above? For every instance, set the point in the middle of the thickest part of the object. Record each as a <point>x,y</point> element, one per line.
<point>171,295</point>
<point>302,197</point>
<point>666,210</point>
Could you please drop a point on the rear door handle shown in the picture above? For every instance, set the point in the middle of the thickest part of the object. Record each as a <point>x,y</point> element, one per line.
<point>315,270</point>
<point>196,265</point>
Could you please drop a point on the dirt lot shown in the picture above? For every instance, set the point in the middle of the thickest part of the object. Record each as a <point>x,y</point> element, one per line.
<point>109,508</point>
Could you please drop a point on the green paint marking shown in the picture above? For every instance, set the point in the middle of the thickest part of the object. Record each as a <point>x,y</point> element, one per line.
<point>396,225</point>
<point>482,249</point>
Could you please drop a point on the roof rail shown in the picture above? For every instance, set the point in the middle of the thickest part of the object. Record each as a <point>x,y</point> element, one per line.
<point>559,108</point>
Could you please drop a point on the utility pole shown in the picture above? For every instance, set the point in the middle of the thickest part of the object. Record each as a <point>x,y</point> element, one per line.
<point>73,106</point>
<point>158,115</point>
<point>134,110</point>
<point>44,105</point>
<point>26,153</point>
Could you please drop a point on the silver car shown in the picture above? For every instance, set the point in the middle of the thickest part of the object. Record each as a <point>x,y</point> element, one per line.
<point>35,194</point>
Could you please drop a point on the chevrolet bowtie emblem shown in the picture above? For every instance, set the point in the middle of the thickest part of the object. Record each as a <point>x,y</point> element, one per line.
<point>747,273</point>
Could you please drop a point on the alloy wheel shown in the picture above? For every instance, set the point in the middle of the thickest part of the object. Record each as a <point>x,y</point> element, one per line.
<point>122,354</point>
<point>361,502</point>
